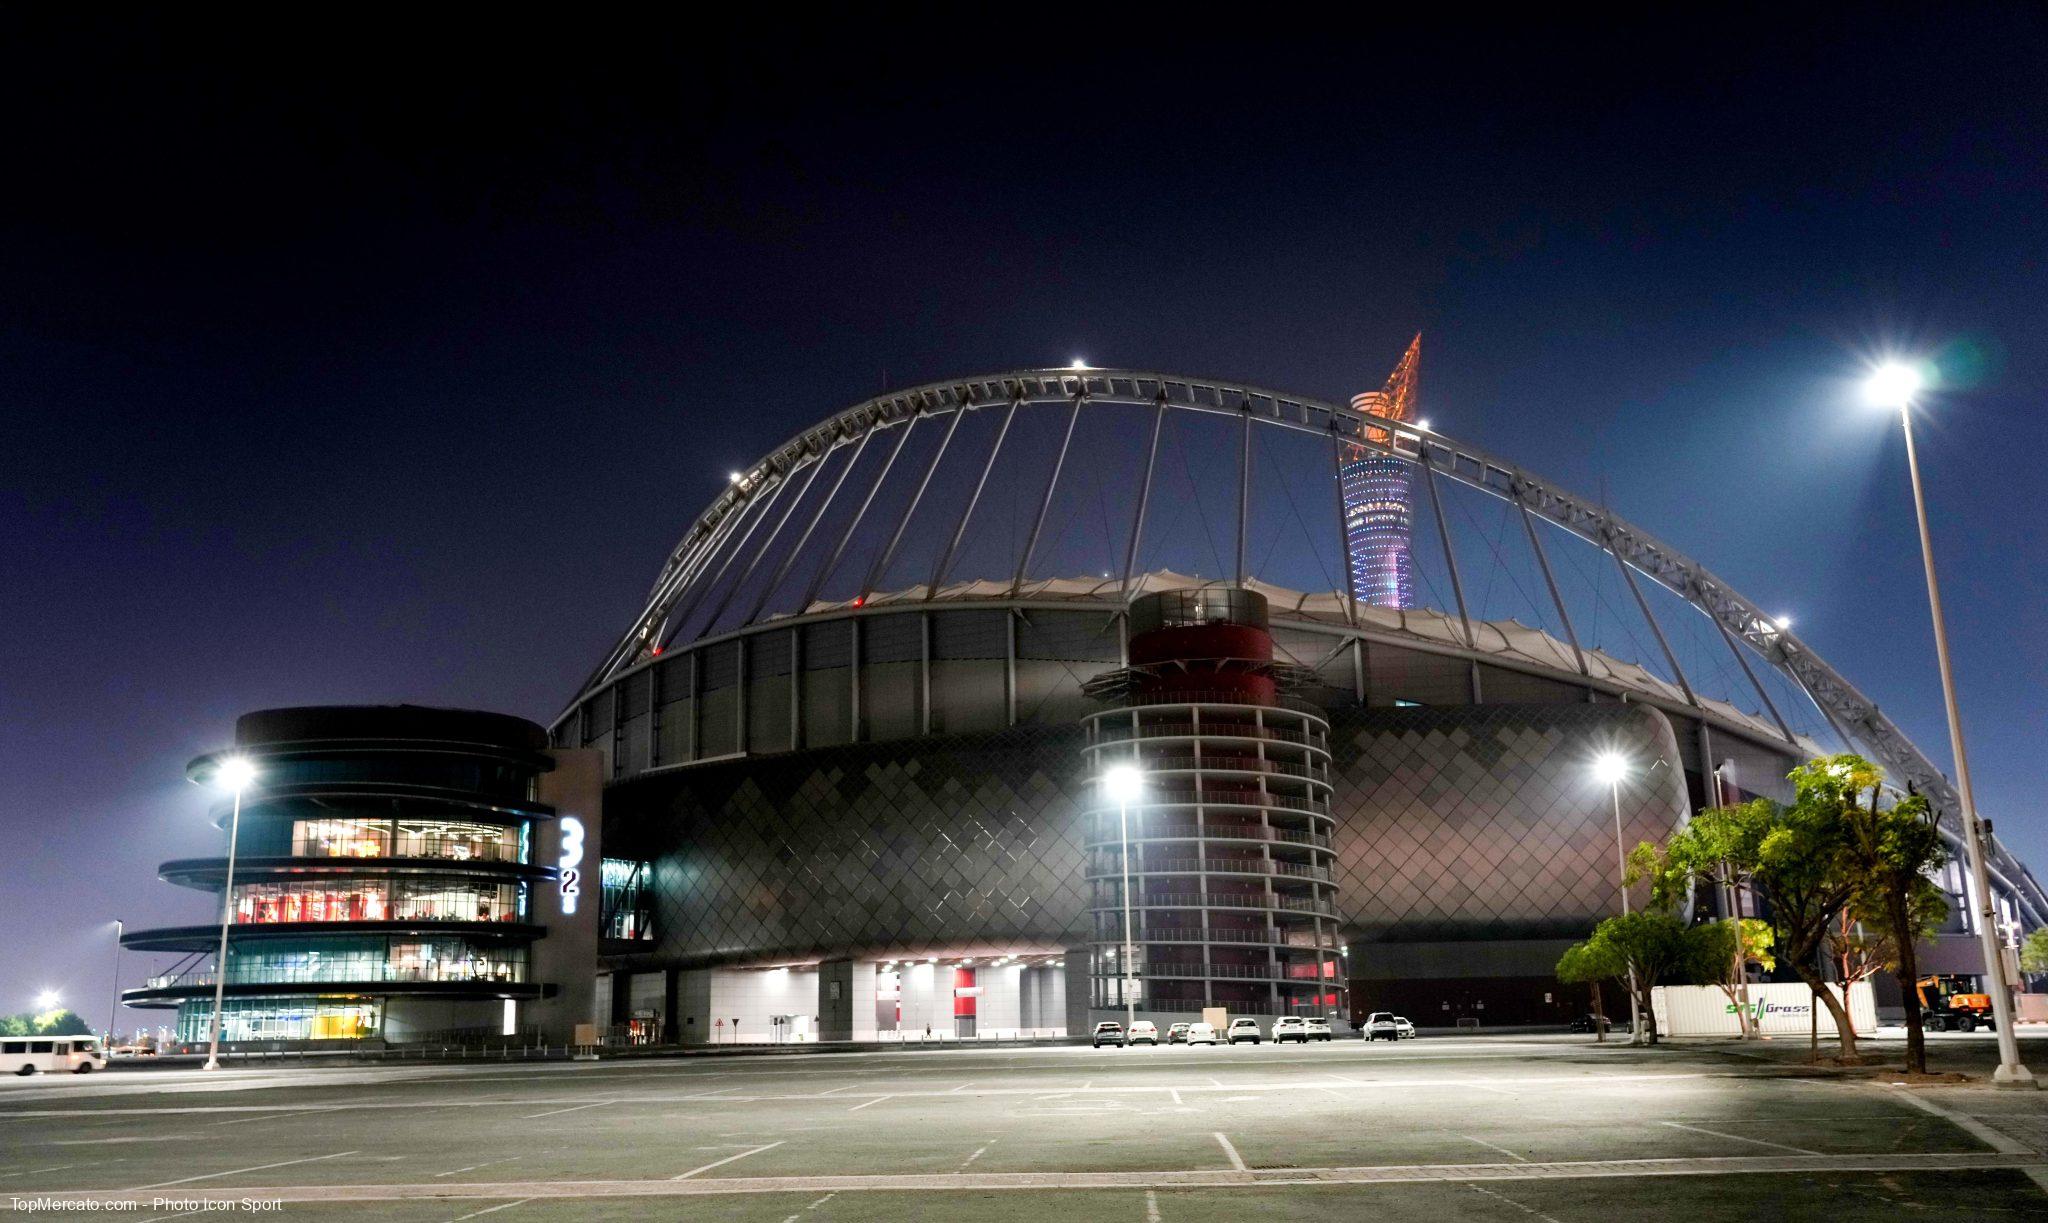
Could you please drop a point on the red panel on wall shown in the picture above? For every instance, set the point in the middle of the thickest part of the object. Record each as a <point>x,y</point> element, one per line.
<point>963,1004</point>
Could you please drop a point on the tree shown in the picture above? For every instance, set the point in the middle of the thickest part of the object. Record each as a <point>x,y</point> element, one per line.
<point>2034,952</point>
<point>1649,946</point>
<point>1589,963</point>
<point>1894,849</point>
<point>1796,858</point>
<point>1726,949</point>
<point>61,1023</point>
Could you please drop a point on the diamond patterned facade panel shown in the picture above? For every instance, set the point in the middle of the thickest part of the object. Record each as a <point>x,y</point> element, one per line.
<point>1467,823</point>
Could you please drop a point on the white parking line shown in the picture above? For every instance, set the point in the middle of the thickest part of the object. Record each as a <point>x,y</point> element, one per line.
<point>977,1152</point>
<point>473,1167</point>
<point>574,1108</point>
<point>1236,1160</point>
<point>877,1100</point>
<point>719,1163</point>
<point>1701,1129</point>
<point>1151,1206</point>
<point>488,1210</point>
<point>272,1117</point>
<point>1502,1197</point>
<point>186,1180</point>
<point>1496,1146</point>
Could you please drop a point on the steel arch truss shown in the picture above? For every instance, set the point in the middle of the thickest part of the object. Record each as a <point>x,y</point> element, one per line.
<point>750,498</point>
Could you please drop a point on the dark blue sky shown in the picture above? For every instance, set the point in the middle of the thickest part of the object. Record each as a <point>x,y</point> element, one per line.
<point>385,363</point>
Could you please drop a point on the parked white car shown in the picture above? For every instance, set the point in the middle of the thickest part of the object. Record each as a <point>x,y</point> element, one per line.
<point>1244,1029</point>
<point>1317,1029</point>
<point>1109,1032</point>
<point>1405,1029</point>
<point>1201,1034</point>
<point>1383,1025</point>
<point>1290,1027</point>
<point>1143,1032</point>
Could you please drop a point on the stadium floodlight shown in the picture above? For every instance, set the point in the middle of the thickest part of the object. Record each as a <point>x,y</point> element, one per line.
<point>48,1000</point>
<point>1123,782</point>
<point>1079,363</point>
<point>1783,623</point>
<point>1893,385</point>
<point>234,773</point>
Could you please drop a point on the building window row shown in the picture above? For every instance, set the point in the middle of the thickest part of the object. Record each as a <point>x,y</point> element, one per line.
<point>425,960</point>
<point>281,1019</point>
<point>409,837</point>
<point>379,900</point>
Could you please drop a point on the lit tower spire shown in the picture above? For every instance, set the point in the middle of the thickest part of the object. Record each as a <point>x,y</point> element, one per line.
<point>1379,502</point>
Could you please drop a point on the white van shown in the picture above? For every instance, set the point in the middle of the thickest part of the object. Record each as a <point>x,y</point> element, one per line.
<point>28,1054</point>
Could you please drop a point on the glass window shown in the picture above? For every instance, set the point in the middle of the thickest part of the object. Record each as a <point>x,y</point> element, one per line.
<point>379,900</point>
<point>40,1046</point>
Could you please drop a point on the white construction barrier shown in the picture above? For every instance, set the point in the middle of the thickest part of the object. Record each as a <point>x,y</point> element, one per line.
<point>1779,1010</point>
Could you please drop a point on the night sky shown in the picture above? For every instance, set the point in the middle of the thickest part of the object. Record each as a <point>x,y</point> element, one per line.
<point>385,362</point>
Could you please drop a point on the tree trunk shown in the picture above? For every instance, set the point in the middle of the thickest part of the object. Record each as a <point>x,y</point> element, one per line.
<point>1826,996</point>
<point>1902,933</point>
<point>1643,1007</point>
<point>1599,1014</point>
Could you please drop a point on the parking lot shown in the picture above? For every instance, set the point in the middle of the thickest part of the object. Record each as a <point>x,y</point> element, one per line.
<point>1479,1128</point>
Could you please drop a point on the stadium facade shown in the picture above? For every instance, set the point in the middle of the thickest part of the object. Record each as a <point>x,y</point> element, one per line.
<point>851,750</point>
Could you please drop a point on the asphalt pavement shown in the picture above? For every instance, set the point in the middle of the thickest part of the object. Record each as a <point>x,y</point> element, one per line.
<point>1480,1128</point>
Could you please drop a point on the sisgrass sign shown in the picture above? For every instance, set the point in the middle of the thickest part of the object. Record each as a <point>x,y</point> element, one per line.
<point>1778,1009</point>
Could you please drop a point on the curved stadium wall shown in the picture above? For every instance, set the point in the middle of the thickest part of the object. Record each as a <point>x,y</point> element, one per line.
<point>850,723</point>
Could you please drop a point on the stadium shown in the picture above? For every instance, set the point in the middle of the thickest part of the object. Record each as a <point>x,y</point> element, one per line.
<point>854,745</point>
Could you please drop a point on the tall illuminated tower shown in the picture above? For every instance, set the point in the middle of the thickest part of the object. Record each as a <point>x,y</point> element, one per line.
<point>1379,501</point>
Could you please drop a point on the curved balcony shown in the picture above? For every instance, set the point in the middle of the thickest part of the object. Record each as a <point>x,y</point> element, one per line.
<point>1168,796</point>
<point>207,938</point>
<point>259,799</point>
<point>1276,903</point>
<point>1214,866</point>
<point>1110,734</point>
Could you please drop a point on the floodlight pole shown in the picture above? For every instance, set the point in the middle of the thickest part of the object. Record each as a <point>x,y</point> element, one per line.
<point>1635,1011</point>
<point>2011,1071</point>
<point>220,962</point>
<point>1123,817</point>
<point>114,1007</point>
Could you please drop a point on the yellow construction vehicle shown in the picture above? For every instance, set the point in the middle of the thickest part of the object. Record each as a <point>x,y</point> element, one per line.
<point>1947,1004</point>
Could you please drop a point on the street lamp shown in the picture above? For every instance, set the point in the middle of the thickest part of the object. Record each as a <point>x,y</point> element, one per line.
<point>1610,768</point>
<point>48,1000</point>
<point>235,773</point>
<point>114,1007</point>
<point>1893,385</point>
<point>1125,782</point>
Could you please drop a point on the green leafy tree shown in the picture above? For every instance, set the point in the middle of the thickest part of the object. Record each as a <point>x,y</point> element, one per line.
<point>2034,952</point>
<point>1589,963</point>
<point>15,1025</point>
<point>1798,859</point>
<point>1726,949</point>
<point>1893,849</point>
<point>61,1023</point>
<point>1650,946</point>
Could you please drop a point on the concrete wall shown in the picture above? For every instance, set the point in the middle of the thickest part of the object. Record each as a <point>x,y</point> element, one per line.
<point>567,957</point>
<point>716,1006</point>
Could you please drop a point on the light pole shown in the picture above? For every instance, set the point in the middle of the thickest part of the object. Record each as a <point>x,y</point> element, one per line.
<point>235,773</point>
<point>1893,385</point>
<point>1124,781</point>
<point>1611,767</point>
<point>114,1007</point>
